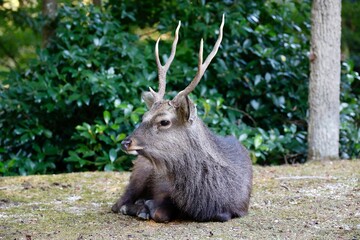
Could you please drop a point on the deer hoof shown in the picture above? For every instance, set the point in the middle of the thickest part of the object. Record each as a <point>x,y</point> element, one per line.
<point>123,209</point>
<point>143,216</point>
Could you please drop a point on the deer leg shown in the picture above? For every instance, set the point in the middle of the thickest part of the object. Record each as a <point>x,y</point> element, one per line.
<point>137,189</point>
<point>138,209</point>
<point>161,212</point>
<point>160,206</point>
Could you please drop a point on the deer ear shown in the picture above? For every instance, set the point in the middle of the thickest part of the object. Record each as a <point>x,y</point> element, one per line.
<point>187,109</point>
<point>148,98</point>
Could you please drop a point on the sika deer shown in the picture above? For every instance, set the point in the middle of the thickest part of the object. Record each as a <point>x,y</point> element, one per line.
<point>182,168</point>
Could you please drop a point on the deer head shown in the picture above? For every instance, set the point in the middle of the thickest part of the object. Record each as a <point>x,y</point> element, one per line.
<point>167,123</point>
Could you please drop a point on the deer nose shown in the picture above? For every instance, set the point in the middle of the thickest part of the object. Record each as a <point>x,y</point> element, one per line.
<point>125,144</point>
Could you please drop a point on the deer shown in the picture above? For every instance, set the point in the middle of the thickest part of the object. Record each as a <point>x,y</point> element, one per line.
<point>182,169</point>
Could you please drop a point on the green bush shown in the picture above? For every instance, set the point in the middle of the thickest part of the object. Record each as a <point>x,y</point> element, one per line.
<point>350,37</point>
<point>83,72</point>
<point>349,114</point>
<point>72,107</point>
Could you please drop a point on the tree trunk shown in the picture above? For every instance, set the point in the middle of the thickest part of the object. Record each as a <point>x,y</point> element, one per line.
<point>49,8</point>
<point>324,86</point>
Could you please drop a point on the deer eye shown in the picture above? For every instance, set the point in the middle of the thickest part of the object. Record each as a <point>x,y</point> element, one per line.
<point>164,123</point>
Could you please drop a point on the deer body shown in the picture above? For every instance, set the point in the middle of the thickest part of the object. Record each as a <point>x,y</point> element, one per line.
<point>209,182</point>
<point>183,168</point>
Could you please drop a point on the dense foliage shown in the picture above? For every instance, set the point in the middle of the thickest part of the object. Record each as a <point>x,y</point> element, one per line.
<point>73,81</point>
<point>350,26</point>
<point>17,23</point>
<point>80,97</point>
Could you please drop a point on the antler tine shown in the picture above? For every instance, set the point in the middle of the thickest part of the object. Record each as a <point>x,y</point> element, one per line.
<point>201,66</point>
<point>162,69</point>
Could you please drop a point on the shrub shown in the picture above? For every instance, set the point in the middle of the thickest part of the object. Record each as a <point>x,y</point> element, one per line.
<point>349,114</point>
<point>83,72</point>
<point>72,107</point>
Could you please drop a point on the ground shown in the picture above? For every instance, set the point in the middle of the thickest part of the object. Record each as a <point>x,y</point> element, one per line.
<point>311,201</point>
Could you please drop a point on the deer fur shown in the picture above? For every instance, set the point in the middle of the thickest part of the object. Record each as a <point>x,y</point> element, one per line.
<point>182,168</point>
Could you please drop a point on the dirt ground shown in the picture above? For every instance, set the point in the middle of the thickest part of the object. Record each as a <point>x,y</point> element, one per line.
<point>311,201</point>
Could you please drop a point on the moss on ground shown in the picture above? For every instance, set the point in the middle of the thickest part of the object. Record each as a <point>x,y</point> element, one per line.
<point>311,201</point>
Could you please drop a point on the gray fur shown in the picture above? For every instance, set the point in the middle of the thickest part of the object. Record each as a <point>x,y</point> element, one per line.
<point>183,169</point>
<point>206,177</point>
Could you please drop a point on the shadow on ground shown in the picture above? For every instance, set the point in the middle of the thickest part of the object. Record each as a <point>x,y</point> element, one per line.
<point>311,201</point>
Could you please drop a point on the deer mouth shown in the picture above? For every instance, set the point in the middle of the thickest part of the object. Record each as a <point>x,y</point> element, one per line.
<point>130,146</point>
<point>134,150</point>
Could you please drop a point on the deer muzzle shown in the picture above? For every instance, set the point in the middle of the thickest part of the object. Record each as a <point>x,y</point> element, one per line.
<point>130,146</point>
<point>125,144</point>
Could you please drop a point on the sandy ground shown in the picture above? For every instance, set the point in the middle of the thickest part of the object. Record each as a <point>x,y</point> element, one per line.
<point>311,201</point>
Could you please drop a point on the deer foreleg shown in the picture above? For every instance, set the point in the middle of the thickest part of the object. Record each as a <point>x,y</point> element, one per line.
<point>137,189</point>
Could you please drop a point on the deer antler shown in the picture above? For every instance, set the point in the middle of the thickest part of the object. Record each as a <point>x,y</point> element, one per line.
<point>201,67</point>
<point>162,69</point>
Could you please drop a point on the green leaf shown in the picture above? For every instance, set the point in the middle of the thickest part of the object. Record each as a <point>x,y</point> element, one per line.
<point>255,104</point>
<point>257,79</point>
<point>247,43</point>
<point>48,133</point>
<point>117,103</point>
<point>100,128</point>
<point>109,167</point>
<point>243,137</point>
<point>80,128</point>
<point>87,126</point>
<point>258,141</point>
<point>112,155</point>
<point>115,127</point>
<point>207,108</point>
<point>267,77</point>
<point>107,116</point>
<point>120,137</point>
<point>134,118</point>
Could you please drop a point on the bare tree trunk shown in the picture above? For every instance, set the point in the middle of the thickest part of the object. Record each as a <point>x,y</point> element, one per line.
<point>324,87</point>
<point>49,8</point>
